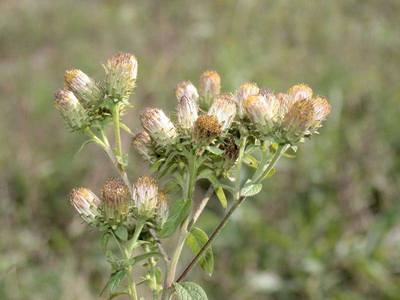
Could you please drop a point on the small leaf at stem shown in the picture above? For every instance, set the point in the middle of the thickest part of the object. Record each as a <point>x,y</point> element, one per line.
<point>215,150</point>
<point>122,233</point>
<point>179,211</point>
<point>251,190</point>
<point>114,281</point>
<point>219,191</point>
<point>190,291</point>
<point>196,239</point>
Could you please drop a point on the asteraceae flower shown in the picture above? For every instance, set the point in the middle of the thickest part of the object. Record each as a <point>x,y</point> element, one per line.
<point>145,197</point>
<point>210,87</point>
<point>300,92</point>
<point>70,109</point>
<point>121,72</point>
<point>244,91</point>
<point>187,112</point>
<point>142,142</point>
<point>116,199</point>
<point>322,109</point>
<point>298,120</point>
<point>187,89</point>
<point>263,111</point>
<point>83,87</point>
<point>224,109</point>
<point>162,208</point>
<point>206,127</point>
<point>159,126</point>
<point>86,204</point>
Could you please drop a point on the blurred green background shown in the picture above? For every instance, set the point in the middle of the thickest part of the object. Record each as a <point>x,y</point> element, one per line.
<point>326,225</point>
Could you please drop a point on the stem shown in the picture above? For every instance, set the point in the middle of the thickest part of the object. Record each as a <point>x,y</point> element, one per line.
<point>239,165</point>
<point>281,149</point>
<point>136,234</point>
<point>202,205</point>
<point>117,132</point>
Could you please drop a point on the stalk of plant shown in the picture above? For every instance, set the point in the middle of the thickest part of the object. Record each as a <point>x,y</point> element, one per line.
<point>214,137</point>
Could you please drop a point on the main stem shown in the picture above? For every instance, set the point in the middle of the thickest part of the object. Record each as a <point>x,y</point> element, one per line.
<point>281,149</point>
<point>117,133</point>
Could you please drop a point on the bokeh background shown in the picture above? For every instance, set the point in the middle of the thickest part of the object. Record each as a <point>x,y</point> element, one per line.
<point>326,225</point>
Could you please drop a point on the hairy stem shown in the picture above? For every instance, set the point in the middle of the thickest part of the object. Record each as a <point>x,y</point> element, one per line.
<point>117,133</point>
<point>236,204</point>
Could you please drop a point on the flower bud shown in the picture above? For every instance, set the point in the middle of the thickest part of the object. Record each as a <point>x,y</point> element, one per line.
<point>145,197</point>
<point>187,112</point>
<point>224,109</point>
<point>159,126</point>
<point>142,143</point>
<point>298,120</point>
<point>244,91</point>
<point>186,88</point>
<point>263,111</point>
<point>71,109</point>
<point>210,87</point>
<point>300,92</point>
<point>162,208</point>
<point>83,87</point>
<point>116,199</point>
<point>322,109</point>
<point>86,204</point>
<point>285,102</point>
<point>121,73</point>
<point>206,127</point>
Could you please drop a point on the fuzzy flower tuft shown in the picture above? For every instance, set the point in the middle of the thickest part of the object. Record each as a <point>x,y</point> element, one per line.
<point>83,87</point>
<point>162,208</point>
<point>121,72</point>
<point>142,142</point>
<point>187,112</point>
<point>86,204</point>
<point>210,87</point>
<point>298,120</point>
<point>70,109</point>
<point>300,92</point>
<point>244,91</point>
<point>145,197</point>
<point>187,89</point>
<point>116,199</point>
<point>263,111</point>
<point>206,127</point>
<point>224,109</point>
<point>158,125</point>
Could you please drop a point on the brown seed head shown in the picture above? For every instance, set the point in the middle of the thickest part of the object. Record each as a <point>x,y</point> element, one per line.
<point>116,197</point>
<point>206,127</point>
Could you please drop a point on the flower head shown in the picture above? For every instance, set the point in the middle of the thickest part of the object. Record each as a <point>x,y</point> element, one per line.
<point>121,72</point>
<point>187,89</point>
<point>145,197</point>
<point>70,109</point>
<point>162,208</point>
<point>322,109</point>
<point>262,111</point>
<point>206,127</point>
<point>298,120</point>
<point>210,87</point>
<point>244,91</point>
<point>187,112</point>
<point>300,92</point>
<point>86,204</point>
<point>116,197</point>
<point>142,142</point>
<point>224,109</point>
<point>159,126</point>
<point>82,86</point>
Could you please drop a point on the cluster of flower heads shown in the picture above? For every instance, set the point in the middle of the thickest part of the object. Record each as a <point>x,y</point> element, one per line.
<point>84,103</point>
<point>208,114</point>
<point>117,206</point>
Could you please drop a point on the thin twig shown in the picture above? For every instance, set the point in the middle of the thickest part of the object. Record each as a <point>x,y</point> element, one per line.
<point>160,247</point>
<point>202,205</point>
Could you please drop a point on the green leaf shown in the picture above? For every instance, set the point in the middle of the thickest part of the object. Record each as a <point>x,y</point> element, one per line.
<point>122,233</point>
<point>251,190</point>
<point>219,191</point>
<point>215,150</point>
<point>179,211</point>
<point>269,174</point>
<point>291,152</point>
<point>196,239</point>
<point>251,161</point>
<point>104,240</point>
<point>190,291</point>
<point>114,281</point>
<point>122,159</point>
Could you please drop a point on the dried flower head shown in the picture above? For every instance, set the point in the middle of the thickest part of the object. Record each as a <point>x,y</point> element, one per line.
<point>187,112</point>
<point>322,109</point>
<point>70,109</point>
<point>121,72</point>
<point>300,92</point>
<point>158,125</point>
<point>285,102</point>
<point>145,197</point>
<point>83,87</point>
<point>298,120</point>
<point>187,89</point>
<point>142,143</point>
<point>210,87</point>
<point>206,127</point>
<point>86,204</point>
<point>116,197</point>
<point>244,91</point>
<point>224,109</point>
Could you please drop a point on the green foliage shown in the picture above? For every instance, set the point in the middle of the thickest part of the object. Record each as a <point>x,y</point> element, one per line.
<point>189,291</point>
<point>196,240</point>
